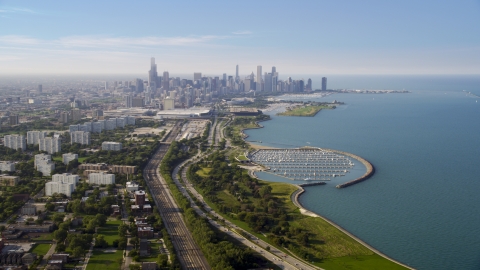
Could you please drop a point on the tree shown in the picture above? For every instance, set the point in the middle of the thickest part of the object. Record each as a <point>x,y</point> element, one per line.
<point>60,247</point>
<point>60,235</point>
<point>101,242</point>
<point>162,260</point>
<point>78,252</point>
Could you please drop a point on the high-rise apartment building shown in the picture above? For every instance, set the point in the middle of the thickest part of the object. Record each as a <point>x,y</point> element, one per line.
<point>101,178</point>
<point>76,114</point>
<point>111,146</point>
<point>16,142</point>
<point>7,166</point>
<point>43,163</point>
<point>80,137</point>
<point>13,119</point>
<point>66,158</point>
<point>138,102</point>
<point>324,84</point>
<point>50,145</point>
<point>60,188</point>
<point>34,136</point>
<point>64,117</point>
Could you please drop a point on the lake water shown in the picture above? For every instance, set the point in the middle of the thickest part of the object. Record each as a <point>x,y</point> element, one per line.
<point>422,206</point>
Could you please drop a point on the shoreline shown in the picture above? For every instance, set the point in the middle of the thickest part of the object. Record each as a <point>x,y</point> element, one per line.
<point>300,190</point>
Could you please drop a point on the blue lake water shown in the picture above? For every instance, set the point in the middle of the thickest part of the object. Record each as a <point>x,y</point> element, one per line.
<point>422,206</point>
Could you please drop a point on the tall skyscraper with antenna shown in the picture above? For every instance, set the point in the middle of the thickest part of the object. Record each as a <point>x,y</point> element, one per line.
<point>153,75</point>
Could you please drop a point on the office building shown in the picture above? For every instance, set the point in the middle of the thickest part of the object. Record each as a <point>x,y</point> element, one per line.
<point>111,146</point>
<point>169,104</point>
<point>152,75</point>
<point>40,88</point>
<point>259,78</point>
<point>324,84</point>
<point>139,85</point>
<point>34,136</point>
<point>309,85</point>
<point>138,102</point>
<point>66,178</point>
<point>50,145</point>
<point>268,82</point>
<point>128,101</point>
<point>237,77</point>
<point>80,137</point>
<point>166,81</point>
<point>66,158</point>
<point>197,76</point>
<point>43,163</point>
<point>7,166</point>
<point>59,188</point>
<point>13,120</point>
<point>16,142</point>
<point>101,178</point>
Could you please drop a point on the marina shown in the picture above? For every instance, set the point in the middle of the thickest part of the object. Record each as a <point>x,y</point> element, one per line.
<point>303,164</point>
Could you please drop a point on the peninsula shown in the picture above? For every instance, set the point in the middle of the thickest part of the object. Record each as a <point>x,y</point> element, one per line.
<point>310,109</point>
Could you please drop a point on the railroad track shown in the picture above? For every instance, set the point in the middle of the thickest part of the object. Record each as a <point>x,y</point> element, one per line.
<point>188,253</point>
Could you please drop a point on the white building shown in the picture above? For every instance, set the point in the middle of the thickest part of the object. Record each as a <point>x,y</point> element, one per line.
<point>66,178</point>
<point>43,163</point>
<point>112,146</point>
<point>132,186</point>
<point>66,158</point>
<point>110,124</point>
<point>80,137</point>
<point>34,136</point>
<point>101,178</point>
<point>7,166</point>
<point>15,142</point>
<point>50,145</point>
<point>60,188</point>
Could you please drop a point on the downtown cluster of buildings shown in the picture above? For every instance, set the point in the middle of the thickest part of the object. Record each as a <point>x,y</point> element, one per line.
<point>167,93</point>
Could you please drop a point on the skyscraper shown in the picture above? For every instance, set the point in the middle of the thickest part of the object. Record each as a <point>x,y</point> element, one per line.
<point>153,75</point>
<point>259,78</point>
<point>237,78</point>
<point>197,76</point>
<point>40,88</point>
<point>324,84</point>
<point>166,81</point>
<point>309,84</point>
<point>268,82</point>
<point>139,85</point>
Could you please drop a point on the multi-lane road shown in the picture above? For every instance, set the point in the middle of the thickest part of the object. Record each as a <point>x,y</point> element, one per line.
<point>188,252</point>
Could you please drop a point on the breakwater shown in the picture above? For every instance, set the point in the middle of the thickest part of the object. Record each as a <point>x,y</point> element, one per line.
<point>370,169</point>
<point>312,184</point>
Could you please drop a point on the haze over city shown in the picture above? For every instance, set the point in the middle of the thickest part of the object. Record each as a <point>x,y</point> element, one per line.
<point>305,37</point>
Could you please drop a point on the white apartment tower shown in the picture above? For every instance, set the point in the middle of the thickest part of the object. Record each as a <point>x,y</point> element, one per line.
<point>34,136</point>
<point>50,145</point>
<point>101,178</point>
<point>66,158</point>
<point>80,137</point>
<point>60,188</point>
<point>15,142</point>
<point>112,146</point>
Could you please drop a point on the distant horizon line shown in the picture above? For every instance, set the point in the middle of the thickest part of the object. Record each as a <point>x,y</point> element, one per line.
<point>140,75</point>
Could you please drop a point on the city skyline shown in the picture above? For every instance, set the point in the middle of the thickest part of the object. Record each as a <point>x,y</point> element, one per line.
<point>370,37</point>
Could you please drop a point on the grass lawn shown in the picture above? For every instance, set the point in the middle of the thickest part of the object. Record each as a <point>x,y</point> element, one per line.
<point>154,245</point>
<point>105,260</point>
<point>372,262</point>
<point>337,249</point>
<point>204,172</point>
<point>110,231</point>
<point>305,110</point>
<point>81,159</point>
<point>242,157</point>
<point>47,236</point>
<point>41,249</point>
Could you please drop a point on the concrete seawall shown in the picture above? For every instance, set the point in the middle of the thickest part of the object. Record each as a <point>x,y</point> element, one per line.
<point>368,165</point>
<point>294,197</point>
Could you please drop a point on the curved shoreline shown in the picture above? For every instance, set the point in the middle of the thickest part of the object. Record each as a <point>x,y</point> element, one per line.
<point>297,193</point>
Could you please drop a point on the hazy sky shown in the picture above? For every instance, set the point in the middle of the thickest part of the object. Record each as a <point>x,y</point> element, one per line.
<point>298,37</point>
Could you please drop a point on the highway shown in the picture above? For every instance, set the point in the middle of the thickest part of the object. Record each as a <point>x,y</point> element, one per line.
<point>274,255</point>
<point>188,253</point>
